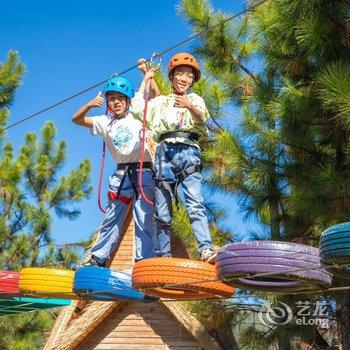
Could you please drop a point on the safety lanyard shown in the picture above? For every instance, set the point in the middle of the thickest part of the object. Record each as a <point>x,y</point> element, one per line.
<point>144,122</point>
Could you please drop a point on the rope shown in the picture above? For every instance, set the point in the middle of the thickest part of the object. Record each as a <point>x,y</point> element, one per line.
<point>192,37</point>
<point>103,157</point>
<point>143,140</point>
<point>155,67</point>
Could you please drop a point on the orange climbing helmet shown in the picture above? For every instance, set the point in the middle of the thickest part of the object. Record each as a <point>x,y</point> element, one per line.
<point>184,59</point>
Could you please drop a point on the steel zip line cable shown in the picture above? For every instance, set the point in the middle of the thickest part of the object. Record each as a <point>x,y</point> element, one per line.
<point>192,37</point>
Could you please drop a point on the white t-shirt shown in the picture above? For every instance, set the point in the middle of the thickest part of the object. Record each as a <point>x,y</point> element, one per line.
<point>122,136</point>
<point>163,116</point>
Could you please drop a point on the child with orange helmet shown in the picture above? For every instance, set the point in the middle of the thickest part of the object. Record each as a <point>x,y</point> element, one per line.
<point>177,122</point>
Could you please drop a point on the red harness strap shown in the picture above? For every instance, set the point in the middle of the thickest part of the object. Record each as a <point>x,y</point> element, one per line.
<point>112,196</point>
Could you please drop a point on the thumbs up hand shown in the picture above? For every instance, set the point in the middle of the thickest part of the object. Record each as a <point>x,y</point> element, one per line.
<point>98,101</point>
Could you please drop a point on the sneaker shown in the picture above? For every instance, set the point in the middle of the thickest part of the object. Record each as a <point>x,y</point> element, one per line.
<point>93,262</point>
<point>208,255</point>
<point>167,255</point>
<point>90,262</point>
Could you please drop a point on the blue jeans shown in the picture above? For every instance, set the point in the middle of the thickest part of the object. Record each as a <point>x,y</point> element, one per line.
<point>183,156</point>
<point>143,213</point>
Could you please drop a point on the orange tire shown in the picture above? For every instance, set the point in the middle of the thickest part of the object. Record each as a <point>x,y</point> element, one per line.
<point>175,278</point>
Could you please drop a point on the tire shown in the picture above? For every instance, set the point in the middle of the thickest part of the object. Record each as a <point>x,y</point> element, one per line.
<point>295,267</point>
<point>99,283</point>
<point>182,279</point>
<point>9,284</point>
<point>52,283</point>
<point>335,249</point>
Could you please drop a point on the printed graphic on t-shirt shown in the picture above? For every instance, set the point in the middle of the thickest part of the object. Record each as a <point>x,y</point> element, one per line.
<point>181,120</point>
<point>123,138</point>
<point>166,102</point>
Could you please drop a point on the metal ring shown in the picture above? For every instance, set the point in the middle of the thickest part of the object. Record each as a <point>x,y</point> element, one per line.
<point>152,64</point>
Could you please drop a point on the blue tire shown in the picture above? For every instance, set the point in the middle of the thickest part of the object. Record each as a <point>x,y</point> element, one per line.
<point>99,283</point>
<point>335,249</point>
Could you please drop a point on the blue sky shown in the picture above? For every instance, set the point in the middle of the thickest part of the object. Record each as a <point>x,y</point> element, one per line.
<point>68,46</point>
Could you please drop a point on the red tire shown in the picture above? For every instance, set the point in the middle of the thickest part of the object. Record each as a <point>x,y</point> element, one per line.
<point>9,283</point>
<point>174,278</point>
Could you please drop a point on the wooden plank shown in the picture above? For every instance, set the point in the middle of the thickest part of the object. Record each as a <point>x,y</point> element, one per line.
<point>137,347</point>
<point>127,347</point>
<point>131,331</point>
<point>145,316</point>
<point>60,325</point>
<point>138,322</point>
<point>150,341</point>
<point>141,334</point>
<point>125,249</point>
<point>121,259</point>
<point>75,333</point>
<point>123,254</point>
<point>149,334</point>
<point>193,326</point>
<point>145,340</point>
<point>125,328</point>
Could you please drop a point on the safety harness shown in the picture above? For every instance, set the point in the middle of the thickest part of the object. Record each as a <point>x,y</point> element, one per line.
<point>130,171</point>
<point>181,174</point>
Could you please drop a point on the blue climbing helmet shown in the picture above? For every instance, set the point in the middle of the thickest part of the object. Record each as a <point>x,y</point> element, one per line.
<point>119,84</point>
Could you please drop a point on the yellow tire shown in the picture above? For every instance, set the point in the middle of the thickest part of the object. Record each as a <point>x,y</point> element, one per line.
<point>51,283</point>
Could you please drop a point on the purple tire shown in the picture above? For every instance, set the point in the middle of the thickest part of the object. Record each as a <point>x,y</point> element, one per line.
<point>295,267</point>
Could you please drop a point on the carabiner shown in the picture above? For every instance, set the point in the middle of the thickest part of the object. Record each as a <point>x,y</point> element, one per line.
<point>151,63</point>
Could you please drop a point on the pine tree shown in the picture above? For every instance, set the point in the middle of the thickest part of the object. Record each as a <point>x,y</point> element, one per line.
<point>288,158</point>
<point>31,192</point>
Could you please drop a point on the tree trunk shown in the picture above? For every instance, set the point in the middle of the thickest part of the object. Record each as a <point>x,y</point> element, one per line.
<point>178,248</point>
<point>284,344</point>
<point>345,321</point>
<point>227,340</point>
<point>274,220</point>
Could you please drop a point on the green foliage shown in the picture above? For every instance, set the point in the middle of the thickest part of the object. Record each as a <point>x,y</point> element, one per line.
<point>181,227</point>
<point>32,190</point>
<point>223,49</point>
<point>287,160</point>
<point>217,322</point>
<point>334,91</point>
<point>11,72</point>
<point>20,332</point>
<point>163,83</point>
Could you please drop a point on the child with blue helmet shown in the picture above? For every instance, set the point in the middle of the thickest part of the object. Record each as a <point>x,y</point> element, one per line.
<point>122,134</point>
